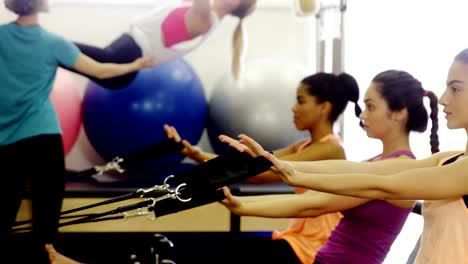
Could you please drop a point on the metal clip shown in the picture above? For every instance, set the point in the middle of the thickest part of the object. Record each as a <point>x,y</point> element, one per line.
<point>113,165</point>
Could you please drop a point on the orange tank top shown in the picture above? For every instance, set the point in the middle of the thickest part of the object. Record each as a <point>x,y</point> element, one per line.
<point>445,232</point>
<point>307,235</point>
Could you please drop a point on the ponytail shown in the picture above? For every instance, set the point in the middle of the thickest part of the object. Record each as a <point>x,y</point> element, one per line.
<point>239,44</point>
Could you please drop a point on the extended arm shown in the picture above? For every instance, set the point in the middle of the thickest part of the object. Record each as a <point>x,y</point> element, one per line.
<point>384,167</point>
<point>308,204</point>
<point>88,66</point>
<point>429,183</point>
<point>317,151</point>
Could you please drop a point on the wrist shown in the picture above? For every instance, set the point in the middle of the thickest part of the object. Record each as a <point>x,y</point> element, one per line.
<point>197,156</point>
<point>294,180</point>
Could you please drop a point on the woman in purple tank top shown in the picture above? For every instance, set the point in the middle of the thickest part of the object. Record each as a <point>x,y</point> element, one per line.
<point>394,107</point>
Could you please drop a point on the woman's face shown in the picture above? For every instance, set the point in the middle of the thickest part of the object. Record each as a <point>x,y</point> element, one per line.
<point>376,117</point>
<point>307,112</point>
<point>455,98</point>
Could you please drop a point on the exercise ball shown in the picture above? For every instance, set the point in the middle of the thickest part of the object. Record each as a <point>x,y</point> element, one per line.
<point>124,121</point>
<point>66,99</point>
<point>258,104</point>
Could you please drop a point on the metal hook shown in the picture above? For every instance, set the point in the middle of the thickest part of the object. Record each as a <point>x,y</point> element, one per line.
<point>113,165</point>
<point>177,193</point>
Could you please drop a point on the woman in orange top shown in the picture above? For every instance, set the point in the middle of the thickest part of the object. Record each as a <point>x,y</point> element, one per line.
<point>321,99</point>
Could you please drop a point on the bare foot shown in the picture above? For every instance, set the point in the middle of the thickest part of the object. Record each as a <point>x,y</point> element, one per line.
<point>57,258</point>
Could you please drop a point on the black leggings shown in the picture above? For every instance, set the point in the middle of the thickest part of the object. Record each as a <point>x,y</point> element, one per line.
<point>37,164</point>
<point>122,50</point>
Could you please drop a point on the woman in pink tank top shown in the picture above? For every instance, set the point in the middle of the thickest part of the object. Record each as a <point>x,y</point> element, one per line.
<point>440,180</point>
<point>320,99</point>
<point>394,107</point>
<point>154,35</point>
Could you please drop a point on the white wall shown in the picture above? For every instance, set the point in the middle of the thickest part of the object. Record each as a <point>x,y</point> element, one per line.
<point>418,36</point>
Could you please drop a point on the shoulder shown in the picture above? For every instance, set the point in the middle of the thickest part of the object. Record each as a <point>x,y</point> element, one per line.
<point>54,37</point>
<point>327,150</point>
<point>295,146</point>
<point>4,26</point>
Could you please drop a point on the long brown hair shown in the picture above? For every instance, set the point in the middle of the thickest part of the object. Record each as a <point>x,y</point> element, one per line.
<point>239,41</point>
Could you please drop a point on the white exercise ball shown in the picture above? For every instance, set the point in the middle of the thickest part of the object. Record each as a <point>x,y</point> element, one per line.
<point>258,104</point>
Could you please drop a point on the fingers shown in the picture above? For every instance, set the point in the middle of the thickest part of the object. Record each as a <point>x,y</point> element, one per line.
<point>167,129</point>
<point>226,139</point>
<point>277,163</point>
<point>251,144</point>
<point>51,252</point>
<point>187,144</point>
<point>232,143</point>
<point>227,192</point>
<point>172,133</point>
<point>228,200</point>
<point>175,134</point>
<point>238,145</point>
<point>272,158</point>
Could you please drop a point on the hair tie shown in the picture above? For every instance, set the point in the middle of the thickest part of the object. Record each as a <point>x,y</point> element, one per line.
<point>426,93</point>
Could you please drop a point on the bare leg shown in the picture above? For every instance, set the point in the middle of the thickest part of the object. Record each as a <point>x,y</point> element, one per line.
<point>57,258</point>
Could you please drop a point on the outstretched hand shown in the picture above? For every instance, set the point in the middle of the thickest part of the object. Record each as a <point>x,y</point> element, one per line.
<point>231,202</point>
<point>189,150</point>
<point>284,169</point>
<point>247,144</point>
<point>244,144</point>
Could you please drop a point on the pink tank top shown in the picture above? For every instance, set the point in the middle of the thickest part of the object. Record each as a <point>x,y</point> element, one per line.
<point>174,27</point>
<point>307,235</point>
<point>366,232</point>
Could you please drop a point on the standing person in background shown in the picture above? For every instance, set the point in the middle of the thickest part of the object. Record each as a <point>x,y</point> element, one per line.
<point>30,136</point>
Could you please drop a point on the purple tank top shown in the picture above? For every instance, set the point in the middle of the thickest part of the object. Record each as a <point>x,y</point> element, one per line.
<point>366,232</point>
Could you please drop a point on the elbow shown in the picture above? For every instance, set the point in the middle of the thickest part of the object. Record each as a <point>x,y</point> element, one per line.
<point>313,212</point>
<point>382,193</point>
<point>389,189</point>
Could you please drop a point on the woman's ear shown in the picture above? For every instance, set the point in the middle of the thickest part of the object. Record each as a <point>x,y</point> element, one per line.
<point>400,115</point>
<point>326,108</point>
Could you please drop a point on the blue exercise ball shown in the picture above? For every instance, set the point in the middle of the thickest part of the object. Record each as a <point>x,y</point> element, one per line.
<point>258,104</point>
<point>120,122</point>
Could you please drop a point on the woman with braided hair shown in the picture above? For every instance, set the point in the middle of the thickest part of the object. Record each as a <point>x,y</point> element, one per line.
<point>440,180</point>
<point>394,107</point>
